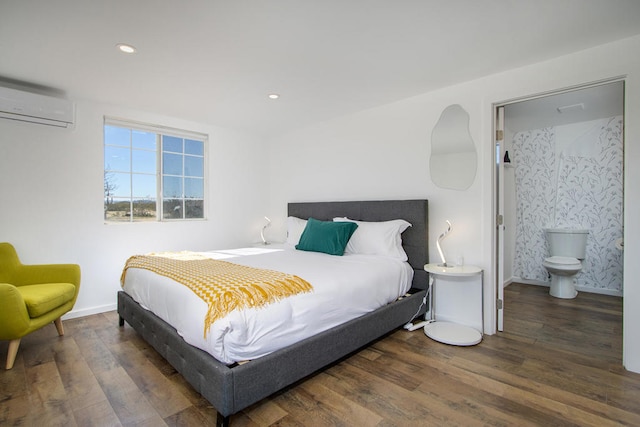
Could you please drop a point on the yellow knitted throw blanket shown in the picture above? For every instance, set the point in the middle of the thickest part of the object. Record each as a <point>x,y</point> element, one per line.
<point>224,286</point>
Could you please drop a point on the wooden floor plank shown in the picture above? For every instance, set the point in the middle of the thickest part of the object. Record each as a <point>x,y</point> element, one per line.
<point>150,381</point>
<point>399,404</point>
<point>488,408</point>
<point>48,400</point>
<point>15,411</point>
<point>81,385</point>
<point>100,414</point>
<point>127,401</point>
<point>266,413</point>
<point>339,406</point>
<point>13,383</point>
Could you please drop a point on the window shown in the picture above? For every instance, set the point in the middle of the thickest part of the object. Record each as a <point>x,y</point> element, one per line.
<point>152,173</point>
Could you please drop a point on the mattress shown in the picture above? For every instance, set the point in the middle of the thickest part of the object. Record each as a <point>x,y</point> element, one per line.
<point>344,288</point>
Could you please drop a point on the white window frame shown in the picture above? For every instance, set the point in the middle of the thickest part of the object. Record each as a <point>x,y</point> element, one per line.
<point>160,131</point>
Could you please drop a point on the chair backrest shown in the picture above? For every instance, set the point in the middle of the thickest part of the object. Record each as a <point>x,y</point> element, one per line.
<point>9,262</point>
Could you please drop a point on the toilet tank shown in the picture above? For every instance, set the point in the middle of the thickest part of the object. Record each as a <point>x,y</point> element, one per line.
<point>567,242</point>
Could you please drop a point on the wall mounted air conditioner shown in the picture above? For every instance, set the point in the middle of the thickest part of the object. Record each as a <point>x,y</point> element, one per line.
<point>34,108</point>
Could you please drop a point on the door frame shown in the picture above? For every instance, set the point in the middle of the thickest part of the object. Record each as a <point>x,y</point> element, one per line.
<point>497,168</point>
<point>499,218</point>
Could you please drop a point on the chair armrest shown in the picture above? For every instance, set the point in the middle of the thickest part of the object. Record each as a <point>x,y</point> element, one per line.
<point>14,318</point>
<point>48,273</point>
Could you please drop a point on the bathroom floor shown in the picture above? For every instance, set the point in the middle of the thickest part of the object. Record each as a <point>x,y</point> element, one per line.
<point>590,324</point>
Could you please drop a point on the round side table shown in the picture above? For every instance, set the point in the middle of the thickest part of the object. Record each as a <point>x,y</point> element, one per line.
<point>449,332</point>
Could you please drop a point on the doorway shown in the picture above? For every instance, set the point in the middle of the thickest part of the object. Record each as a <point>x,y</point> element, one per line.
<point>559,164</point>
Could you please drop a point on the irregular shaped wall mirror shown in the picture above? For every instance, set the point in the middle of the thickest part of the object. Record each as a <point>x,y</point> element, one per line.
<point>453,160</point>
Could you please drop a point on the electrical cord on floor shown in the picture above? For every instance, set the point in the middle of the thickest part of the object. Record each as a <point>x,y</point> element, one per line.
<point>410,326</point>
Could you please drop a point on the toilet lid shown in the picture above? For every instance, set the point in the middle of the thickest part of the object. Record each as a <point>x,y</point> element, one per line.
<point>563,260</point>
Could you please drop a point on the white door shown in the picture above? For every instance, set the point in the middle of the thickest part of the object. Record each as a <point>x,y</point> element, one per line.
<point>499,147</point>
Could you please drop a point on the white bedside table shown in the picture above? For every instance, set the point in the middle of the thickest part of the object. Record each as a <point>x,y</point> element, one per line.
<point>449,332</point>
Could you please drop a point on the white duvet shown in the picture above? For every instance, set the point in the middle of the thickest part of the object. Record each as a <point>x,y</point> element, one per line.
<point>344,287</point>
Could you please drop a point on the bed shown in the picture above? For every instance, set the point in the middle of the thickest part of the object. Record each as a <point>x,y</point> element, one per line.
<point>231,388</point>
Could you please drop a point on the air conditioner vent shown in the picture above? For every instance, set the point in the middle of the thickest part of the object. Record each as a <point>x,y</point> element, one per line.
<point>34,108</point>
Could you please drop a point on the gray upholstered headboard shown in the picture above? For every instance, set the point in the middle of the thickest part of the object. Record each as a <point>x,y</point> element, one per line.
<point>414,239</point>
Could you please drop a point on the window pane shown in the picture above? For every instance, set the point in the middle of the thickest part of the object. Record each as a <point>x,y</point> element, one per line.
<point>120,183</point>
<point>171,143</point>
<point>194,147</point>
<point>144,210</point>
<point>117,210</point>
<point>172,209</point>
<point>146,140</point>
<point>172,164</point>
<point>144,161</point>
<point>116,159</point>
<point>193,188</point>
<point>109,184</point>
<point>171,187</point>
<point>117,136</point>
<point>193,166</point>
<point>143,186</point>
<point>194,209</point>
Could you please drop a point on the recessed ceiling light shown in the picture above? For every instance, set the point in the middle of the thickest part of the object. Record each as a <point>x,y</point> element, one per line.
<point>126,48</point>
<point>273,96</point>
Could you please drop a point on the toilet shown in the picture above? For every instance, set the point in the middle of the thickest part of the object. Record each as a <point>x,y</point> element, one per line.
<point>567,248</point>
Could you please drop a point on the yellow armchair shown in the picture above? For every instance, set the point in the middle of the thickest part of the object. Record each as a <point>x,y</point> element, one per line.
<point>32,296</point>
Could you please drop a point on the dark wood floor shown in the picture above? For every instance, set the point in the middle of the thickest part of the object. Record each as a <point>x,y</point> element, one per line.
<point>558,363</point>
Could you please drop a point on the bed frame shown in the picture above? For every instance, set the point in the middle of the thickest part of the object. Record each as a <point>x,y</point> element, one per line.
<point>232,388</point>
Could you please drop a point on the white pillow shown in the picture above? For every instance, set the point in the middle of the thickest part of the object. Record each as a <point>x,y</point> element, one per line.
<point>295,227</point>
<point>377,238</point>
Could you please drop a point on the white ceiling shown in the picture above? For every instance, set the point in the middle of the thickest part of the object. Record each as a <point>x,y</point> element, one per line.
<point>575,106</point>
<point>215,61</point>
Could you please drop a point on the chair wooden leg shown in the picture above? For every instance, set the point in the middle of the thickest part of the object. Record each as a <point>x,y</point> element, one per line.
<point>58,323</point>
<point>13,351</point>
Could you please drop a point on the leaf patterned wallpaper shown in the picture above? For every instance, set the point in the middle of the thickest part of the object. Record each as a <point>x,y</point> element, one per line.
<point>577,185</point>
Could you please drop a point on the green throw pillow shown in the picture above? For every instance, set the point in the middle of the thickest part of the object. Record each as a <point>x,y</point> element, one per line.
<point>326,236</point>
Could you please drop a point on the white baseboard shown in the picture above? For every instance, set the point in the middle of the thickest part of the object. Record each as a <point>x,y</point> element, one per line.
<point>527,281</point>
<point>73,314</point>
<point>601,291</point>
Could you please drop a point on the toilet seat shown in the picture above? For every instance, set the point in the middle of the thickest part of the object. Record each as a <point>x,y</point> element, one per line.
<point>562,262</point>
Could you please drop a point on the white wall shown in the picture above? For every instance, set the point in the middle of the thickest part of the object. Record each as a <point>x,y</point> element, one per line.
<point>383,153</point>
<point>51,199</point>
